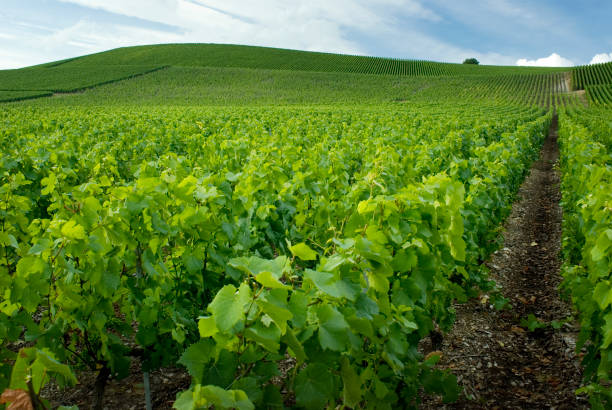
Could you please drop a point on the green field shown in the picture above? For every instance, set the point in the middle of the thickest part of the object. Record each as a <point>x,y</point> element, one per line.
<point>285,225</point>
<point>220,55</point>
<point>8,96</point>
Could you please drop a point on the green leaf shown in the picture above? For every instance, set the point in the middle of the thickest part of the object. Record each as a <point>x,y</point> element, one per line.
<point>380,389</point>
<point>450,388</point>
<point>228,308</point>
<point>361,326</point>
<point>211,395</point>
<point>269,281</point>
<point>298,306</point>
<point>149,262</point>
<point>207,326</point>
<point>366,307</point>
<point>604,241</point>
<point>38,365</point>
<point>196,357</point>
<point>108,283</point>
<point>294,344</point>
<point>457,247</point>
<point>222,371</point>
<point>607,331</point>
<point>184,401</point>
<point>603,294</point>
<point>404,260</point>
<point>303,251</point>
<point>276,308</point>
<point>30,265</point>
<point>90,208</point>
<point>333,329</point>
<point>250,386</point>
<point>193,263</point>
<point>366,206</point>
<point>267,337</point>
<point>20,372</point>
<point>330,264</point>
<point>272,397</point>
<point>352,391</point>
<point>72,230</point>
<point>597,253</point>
<point>331,284</point>
<point>254,265</point>
<point>6,239</point>
<point>48,183</point>
<point>314,386</point>
<point>178,334</point>
<point>55,368</point>
<point>372,251</point>
<point>230,176</point>
<point>98,319</point>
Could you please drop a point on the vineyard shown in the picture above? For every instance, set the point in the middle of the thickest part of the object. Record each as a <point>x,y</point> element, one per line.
<point>222,55</point>
<point>596,79</point>
<point>288,238</point>
<point>586,146</point>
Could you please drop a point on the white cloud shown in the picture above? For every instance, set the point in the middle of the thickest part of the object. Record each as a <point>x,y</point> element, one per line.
<point>601,58</point>
<point>10,59</point>
<point>83,37</point>
<point>291,27</point>
<point>315,25</point>
<point>553,60</point>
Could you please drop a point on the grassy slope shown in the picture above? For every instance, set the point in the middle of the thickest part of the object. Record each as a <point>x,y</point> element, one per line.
<point>595,74</point>
<point>209,74</point>
<point>596,80</point>
<point>67,79</point>
<point>8,96</point>
<point>223,55</point>
<point>214,86</point>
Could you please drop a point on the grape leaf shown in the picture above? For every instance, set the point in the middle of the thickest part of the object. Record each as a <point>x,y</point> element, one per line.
<point>228,308</point>
<point>303,251</point>
<point>333,329</point>
<point>314,386</point>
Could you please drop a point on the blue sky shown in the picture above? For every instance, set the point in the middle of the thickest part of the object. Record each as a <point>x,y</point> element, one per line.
<point>507,32</point>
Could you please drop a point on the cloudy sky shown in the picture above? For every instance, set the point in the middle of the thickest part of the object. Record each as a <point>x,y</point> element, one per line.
<point>508,32</point>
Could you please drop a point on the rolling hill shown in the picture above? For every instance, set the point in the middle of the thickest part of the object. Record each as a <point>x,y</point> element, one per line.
<point>209,74</point>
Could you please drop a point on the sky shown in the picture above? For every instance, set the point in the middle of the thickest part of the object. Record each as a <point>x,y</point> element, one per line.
<point>503,32</point>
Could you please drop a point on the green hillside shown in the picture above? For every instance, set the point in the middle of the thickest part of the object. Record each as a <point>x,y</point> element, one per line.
<point>596,80</point>
<point>84,72</point>
<point>68,78</point>
<point>223,55</point>
<point>214,86</point>
<point>213,74</point>
<point>595,74</point>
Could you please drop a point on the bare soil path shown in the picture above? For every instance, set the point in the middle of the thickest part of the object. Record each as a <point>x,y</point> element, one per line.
<point>499,362</point>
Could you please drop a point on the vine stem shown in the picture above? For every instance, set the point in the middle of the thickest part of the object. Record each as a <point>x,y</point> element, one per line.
<point>100,386</point>
<point>37,403</point>
<point>8,265</point>
<point>147,389</point>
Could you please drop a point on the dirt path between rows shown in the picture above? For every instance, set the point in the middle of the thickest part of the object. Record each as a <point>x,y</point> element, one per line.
<point>568,81</point>
<point>498,362</point>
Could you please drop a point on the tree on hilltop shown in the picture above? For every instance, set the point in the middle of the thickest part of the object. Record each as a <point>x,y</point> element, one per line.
<point>471,61</point>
